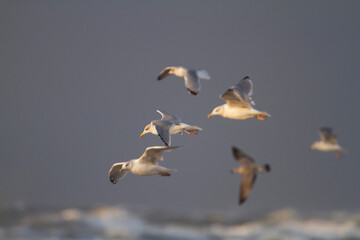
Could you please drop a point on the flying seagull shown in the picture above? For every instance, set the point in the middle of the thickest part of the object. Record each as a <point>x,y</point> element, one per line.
<point>146,165</point>
<point>248,169</point>
<point>239,103</point>
<point>191,77</point>
<point>328,142</point>
<point>169,124</point>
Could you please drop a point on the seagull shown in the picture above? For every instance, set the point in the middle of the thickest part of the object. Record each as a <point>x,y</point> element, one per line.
<point>146,165</point>
<point>248,169</point>
<point>169,124</point>
<point>328,142</point>
<point>191,77</point>
<point>238,103</point>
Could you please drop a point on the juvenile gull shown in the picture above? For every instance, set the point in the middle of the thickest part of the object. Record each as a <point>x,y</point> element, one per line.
<point>248,169</point>
<point>328,142</point>
<point>239,102</point>
<point>169,124</point>
<point>191,77</point>
<point>146,165</point>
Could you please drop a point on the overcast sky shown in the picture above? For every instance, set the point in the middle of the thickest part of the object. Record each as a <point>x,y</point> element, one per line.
<point>78,85</point>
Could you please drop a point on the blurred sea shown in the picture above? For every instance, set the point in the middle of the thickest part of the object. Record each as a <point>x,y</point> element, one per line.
<point>115,222</point>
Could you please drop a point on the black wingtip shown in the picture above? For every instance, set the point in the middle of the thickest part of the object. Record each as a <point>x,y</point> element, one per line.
<point>241,201</point>
<point>246,77</point>
<point>112,180</point>
<point>158,78</point>
<point>267,167</point>
<point>166,144</point>
<point>192,92</point>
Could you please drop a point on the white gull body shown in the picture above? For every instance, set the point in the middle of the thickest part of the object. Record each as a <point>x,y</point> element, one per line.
<point>191,77</point>
<point>239,103</point>
<point>146,165</point>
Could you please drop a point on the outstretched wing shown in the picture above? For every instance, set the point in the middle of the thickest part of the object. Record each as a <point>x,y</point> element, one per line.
<point>163,129</point>
<point>116,172</point>
<point>246,186</point>
<point>240,93</point>
<point>326,135</point>
<point>164,73</point>
<point>169,117</point>
<point>203,74</point>
<point>192,82</point>
<point>153,154</point>
<point>242,157</point>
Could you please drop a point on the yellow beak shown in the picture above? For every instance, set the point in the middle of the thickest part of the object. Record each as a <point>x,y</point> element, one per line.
<point>141,135</point>
<point>210,115</point>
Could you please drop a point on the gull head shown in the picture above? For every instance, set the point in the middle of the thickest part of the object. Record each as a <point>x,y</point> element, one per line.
<point>147,129</point>
<point>119,170</point>
<point>315,146</point>
<point>217,111</point>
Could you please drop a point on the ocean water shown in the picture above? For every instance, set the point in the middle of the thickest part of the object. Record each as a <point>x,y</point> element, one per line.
<point>115,222</point>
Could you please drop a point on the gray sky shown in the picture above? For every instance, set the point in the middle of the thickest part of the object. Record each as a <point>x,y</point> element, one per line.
<point>78,85</point>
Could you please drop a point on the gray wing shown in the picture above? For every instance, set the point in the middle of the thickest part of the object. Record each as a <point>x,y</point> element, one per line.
<point>240,93</point>
<point>242,157</point>
<point>115,174</point>
<point>326,135</point>
<point>246,186</point>
<point>153,154</point>
<point>164,129</point>
<point>169,117</point>
<point>192,82</point>
<point>164,73</point>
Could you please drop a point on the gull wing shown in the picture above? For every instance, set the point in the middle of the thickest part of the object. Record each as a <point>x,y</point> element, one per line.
<point>163,129</point>
<point>115,174</point>
<point>326,135</point>
<point>169,117</point>
<point>242,157</point>
<point>153,154</point>
<point>246,186</point>
<point>192,82</point>
<point>164,73</point>
<point>240,93</point>
<point>203,74</point>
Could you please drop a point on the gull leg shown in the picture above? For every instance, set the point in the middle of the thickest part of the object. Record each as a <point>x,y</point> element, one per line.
<point>163,174</point>
<point>338,154</point>
<point>261,116</point>
<point>192,132</point>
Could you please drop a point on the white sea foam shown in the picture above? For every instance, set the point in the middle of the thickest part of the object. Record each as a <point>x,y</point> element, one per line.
<point>110,223</point>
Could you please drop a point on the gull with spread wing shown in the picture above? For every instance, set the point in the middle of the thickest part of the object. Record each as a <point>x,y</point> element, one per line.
<point>146,165</point>
<point>167,125</point>
<point>239,103</point>
<point>191,77</point>
<point>248,169</point>
<point>328,143</point>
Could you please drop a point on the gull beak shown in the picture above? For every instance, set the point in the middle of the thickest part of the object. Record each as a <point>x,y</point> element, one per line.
<point>141,135</point>
<point>210,115</point>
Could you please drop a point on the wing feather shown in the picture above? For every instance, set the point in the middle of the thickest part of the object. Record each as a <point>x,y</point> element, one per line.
<point>115,174</point>
<point>153,154</point>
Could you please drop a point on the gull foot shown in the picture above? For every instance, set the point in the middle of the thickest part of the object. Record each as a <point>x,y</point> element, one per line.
<point>192,132</point>
<point>261,117</point>
<point>165,174</point>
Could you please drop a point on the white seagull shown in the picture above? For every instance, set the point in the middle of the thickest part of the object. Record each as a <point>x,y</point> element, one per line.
<point>239,103</point>
<point>169,124</point>
<point>248,169</point>
<point>328,142</point>
<point>191,77</point>
<point>146,165</point>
